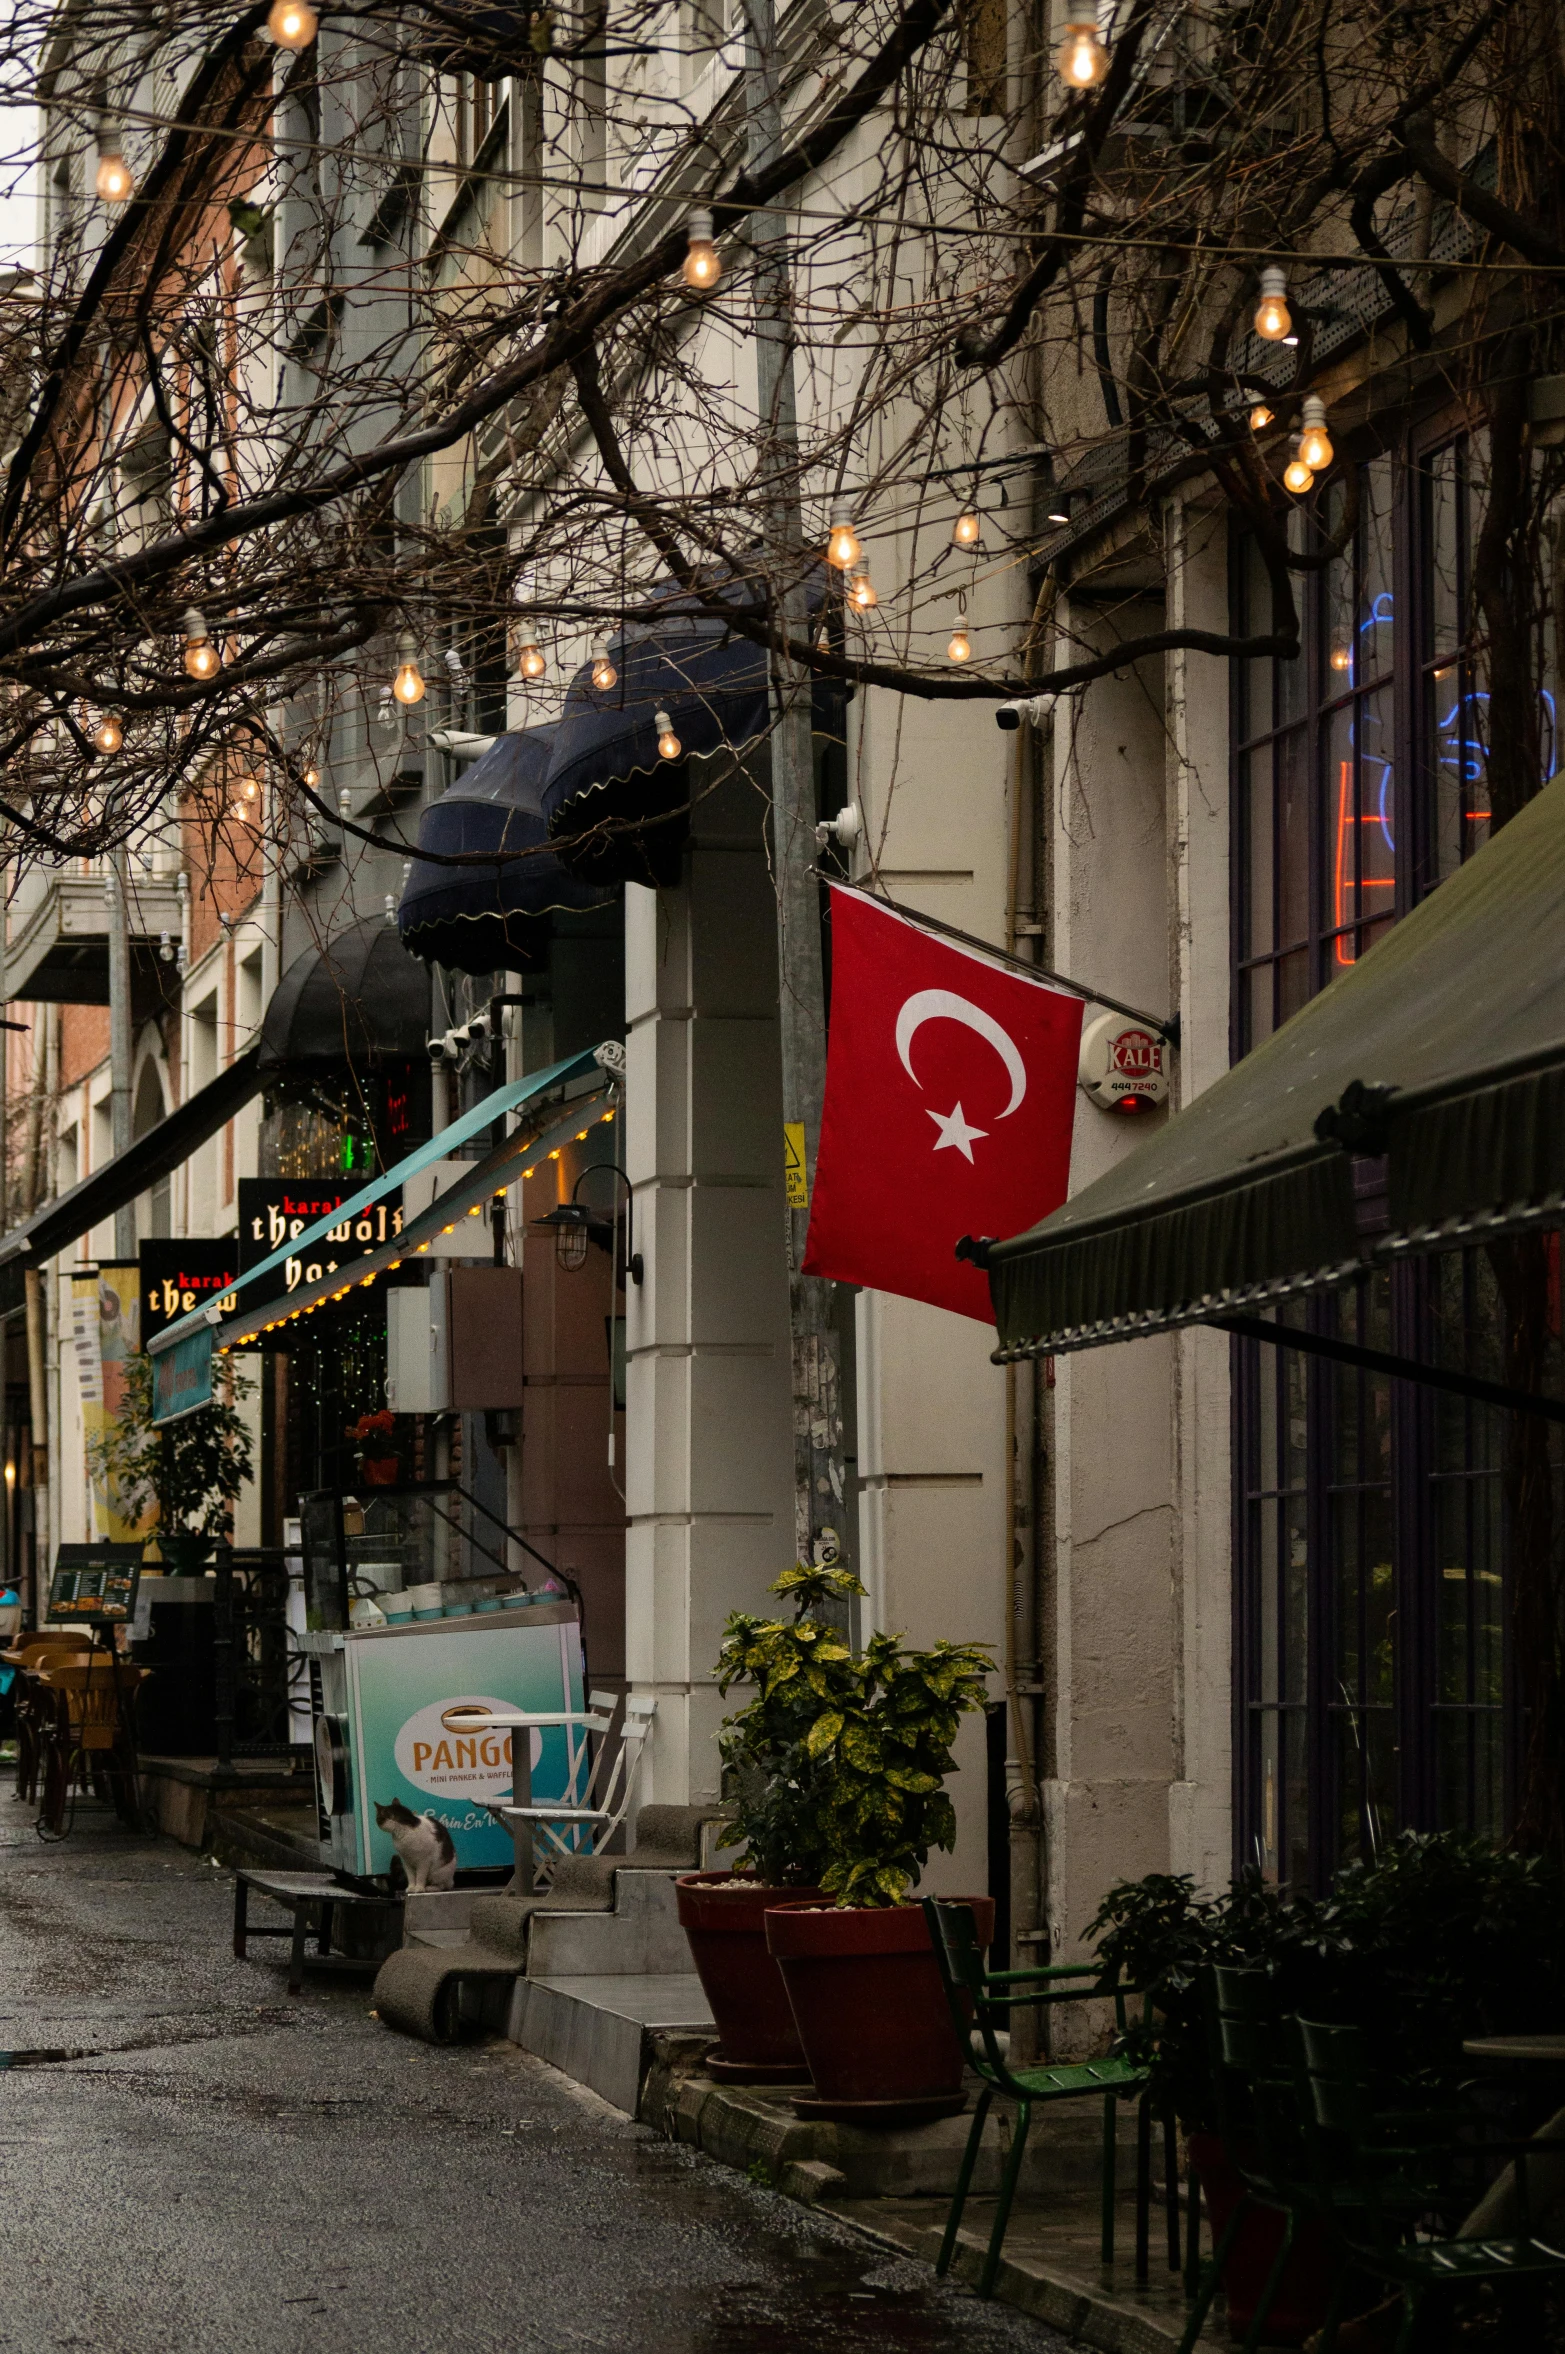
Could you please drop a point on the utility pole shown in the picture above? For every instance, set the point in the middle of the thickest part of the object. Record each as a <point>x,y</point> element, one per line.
<point>121,1036</point>
<point>817,1400</point>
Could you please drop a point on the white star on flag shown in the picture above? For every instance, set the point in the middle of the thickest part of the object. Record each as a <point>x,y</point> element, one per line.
<point>956,1130</point>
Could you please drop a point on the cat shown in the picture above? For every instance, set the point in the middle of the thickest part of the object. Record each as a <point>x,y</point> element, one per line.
<point>424,1846</point>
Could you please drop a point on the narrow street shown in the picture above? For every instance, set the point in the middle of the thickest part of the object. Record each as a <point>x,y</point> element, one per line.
<point>224,2170</point>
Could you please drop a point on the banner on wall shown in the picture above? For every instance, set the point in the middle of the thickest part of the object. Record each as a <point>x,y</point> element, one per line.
<point>105,1334</point>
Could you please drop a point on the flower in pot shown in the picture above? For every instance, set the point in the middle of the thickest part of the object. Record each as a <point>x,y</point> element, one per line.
<point>377,1466</point>
<point>861,1978</point>
<point>192,1469</point>
<point>794,1668</point>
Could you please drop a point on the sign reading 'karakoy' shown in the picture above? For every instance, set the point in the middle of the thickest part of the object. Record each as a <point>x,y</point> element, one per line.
<point>950,1098</point>
<point>274,1211</point>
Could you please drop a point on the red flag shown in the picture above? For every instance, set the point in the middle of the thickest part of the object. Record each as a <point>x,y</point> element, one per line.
<point>950,1093</point>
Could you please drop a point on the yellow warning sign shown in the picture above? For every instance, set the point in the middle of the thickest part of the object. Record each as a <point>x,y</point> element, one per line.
<point>795,1178</point>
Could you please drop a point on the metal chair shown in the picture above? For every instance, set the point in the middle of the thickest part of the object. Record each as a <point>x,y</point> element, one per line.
<point>571,1827</point>
<point>981,2001</point>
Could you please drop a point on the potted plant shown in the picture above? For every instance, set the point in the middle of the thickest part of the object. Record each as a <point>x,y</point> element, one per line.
<point>778,1790</point>
<point>378,1467</point>
<point>863,1984</point>
<point>192,1469</point>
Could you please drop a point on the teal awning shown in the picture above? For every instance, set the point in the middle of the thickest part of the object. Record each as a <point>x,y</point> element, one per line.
<point>1442,1049</point>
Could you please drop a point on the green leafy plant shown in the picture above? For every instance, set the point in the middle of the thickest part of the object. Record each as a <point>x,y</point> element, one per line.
<point>801,1670</point>
<point>192,1469</point>
<point>838,1764</point>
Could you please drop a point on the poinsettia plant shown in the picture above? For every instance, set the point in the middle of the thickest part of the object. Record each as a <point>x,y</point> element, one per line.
<point>838,1765</point>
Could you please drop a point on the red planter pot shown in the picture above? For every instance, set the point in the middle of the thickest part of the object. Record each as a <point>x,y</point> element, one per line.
<point>871,2011</point>
<point>1299,2308</point>
<point>721,1914</point>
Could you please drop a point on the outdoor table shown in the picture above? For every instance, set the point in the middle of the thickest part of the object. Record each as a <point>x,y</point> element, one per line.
<point>471,1716</point>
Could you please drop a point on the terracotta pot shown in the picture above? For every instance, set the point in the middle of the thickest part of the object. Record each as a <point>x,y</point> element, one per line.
<point>872,2014</point>
<point>1299,2307</point>
<point>721,1914</point>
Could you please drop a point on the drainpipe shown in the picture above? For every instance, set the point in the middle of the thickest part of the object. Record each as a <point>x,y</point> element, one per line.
<point>38,1395</point>
<point>121,1035</point>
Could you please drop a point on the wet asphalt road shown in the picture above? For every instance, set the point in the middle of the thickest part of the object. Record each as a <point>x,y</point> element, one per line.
<point>234,2171</point>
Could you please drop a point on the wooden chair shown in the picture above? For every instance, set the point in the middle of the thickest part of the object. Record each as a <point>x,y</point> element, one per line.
<point>35,1704</point>
<point>981,2002</point>
<point>88,1738</point>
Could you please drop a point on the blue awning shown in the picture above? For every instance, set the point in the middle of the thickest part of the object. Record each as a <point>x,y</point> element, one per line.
<point>487,919</point>
<point>615,809</point>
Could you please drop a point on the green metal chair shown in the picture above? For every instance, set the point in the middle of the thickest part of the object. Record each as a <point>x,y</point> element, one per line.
<point>982,2001</point>
<point>1379,2169</point>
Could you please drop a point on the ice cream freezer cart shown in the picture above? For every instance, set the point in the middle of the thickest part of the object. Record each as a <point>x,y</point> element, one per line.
<point>380,1689</point>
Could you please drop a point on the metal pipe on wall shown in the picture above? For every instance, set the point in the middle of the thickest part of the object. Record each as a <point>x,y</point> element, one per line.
<point>121,1035</point>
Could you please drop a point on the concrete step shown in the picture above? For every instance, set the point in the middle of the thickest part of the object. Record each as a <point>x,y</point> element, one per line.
<point>640,1938</point>
<point>601,2030</point>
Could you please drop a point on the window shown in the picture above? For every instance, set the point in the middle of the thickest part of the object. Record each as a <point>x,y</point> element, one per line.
<point>1374,1685</point>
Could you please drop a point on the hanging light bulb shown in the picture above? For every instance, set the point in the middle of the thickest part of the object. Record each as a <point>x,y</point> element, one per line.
<point>1297,477</point>
<point>1341,658</point>
<point>531,663</point>
<point>1315,442</point>
<point>669,745</point>
<point>861,589</point>
<point>961,647</point>
<point>408,685</point>
<point>604,674</point>
<point>202,659</point>
<point>291,24</point>
<point>967,530</point>
<point>1260,417</point>
<point>702,267</point>
<point>108,735</point>
<point>1081,59</point>
<point>114,182</point>
<point>842,549</point>
<point>312,777</point>
<point>1273,319</point>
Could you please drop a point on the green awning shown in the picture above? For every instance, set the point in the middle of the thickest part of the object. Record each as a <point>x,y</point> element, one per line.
<point>1442,1049</point>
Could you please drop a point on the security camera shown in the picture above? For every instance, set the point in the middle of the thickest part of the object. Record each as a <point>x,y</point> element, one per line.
<point>477,1030</point>
<point>446,1049</point>
<point>1034,709</point>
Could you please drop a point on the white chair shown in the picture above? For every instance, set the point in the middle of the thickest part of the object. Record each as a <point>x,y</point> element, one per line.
<point>572,1826</point>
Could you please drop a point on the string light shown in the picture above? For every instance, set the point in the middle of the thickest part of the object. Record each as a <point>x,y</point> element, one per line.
<point>1315,442</point>
<point>532,663</point>
<point>604,674</point>
<point>1342,658</point>
<point>114,182</point>
<point>1297,477</point>
<point>1081,59</point>
<point>312,777</point>
<point>669,748</point>
<point>861,589</point>
<point>108,735</point>
<point>408,685</point>
<point>966,531</point>
<point>1260,417</point>
<point>702,267</point>
<point>1273,319</point>
<point>292,24</point>
<point>961,647</point>
<point>842,549</point>
<point>202,659</point>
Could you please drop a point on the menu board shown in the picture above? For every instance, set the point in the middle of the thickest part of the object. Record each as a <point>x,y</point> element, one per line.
<point>94,1582</point>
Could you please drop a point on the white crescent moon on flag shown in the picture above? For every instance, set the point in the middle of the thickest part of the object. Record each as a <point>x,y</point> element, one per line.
<point>934,1005</point>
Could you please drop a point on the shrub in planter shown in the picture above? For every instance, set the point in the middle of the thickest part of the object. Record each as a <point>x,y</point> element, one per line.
<point>192,1469</point>
<point>861,1978</point>
<point>797,1666</point>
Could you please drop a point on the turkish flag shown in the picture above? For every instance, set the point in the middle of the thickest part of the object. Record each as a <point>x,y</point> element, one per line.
<point>950,1093</point>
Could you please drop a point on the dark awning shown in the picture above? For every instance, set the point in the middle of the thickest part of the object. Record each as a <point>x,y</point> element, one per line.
<point>359,999</point>
<point>1442,1050</point>
<point>132,1172</point>
<point>616,809</point>
<point>487,919</point>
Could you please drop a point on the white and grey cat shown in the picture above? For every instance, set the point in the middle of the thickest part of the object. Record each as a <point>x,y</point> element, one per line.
<point>423,1844</point>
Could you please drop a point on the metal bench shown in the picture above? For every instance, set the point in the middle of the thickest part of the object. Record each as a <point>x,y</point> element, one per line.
<point>312,1898</point>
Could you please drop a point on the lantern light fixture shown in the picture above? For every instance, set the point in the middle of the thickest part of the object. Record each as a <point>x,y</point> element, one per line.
<point>669,745</point>
<point>604,674</point>
<point>861,589</point>
<point>960,648</point>
<point>1315,447</point>
<point>532,662</point>
<point>202,659</point>
<point>109,734</point>
<point>1081,60</point>
<point>967,530</point>
<point>408,684</point>
<point>292,24</point>
<point>1273,319</point>
<point>702,266</point>
<point>843,549</point>
<point>114,183</point>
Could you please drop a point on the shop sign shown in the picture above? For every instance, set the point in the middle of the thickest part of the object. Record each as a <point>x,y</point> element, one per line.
<point>1124,1064</point>
<point>179,1277</point>
<point>274,1211</point>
